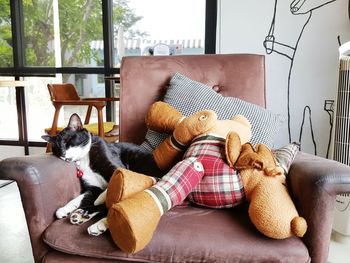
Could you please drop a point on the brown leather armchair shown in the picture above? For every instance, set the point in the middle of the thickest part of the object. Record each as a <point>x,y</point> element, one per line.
<point>186,233</point>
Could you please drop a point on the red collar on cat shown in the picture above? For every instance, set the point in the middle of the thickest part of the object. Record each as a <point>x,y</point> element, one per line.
<point>80,172</point>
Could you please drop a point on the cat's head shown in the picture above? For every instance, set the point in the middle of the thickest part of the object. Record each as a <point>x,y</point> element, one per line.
<point>73,142</point>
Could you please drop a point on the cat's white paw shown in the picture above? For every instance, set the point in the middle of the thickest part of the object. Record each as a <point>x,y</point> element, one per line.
<point>62,212</point>
<point>70,207</point>
<point>98,228</point>
<point>81,216</point>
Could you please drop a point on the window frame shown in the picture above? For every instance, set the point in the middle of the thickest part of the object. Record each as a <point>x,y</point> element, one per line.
<point>20,70</point>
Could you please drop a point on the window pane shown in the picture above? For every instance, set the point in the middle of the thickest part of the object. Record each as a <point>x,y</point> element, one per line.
<point>6,55</point>
<point>81,27</point>
<point>40,110</point>
<point>140,26</point>
<point>8,109</point>
<point>38,33</point>
<point>61,33</point>
<point>87,85</point>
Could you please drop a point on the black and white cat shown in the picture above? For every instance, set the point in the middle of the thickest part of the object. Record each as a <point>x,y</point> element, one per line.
<point>96,160</point>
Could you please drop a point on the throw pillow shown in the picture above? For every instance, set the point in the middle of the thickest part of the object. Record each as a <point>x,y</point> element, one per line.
<point>189,96</point>
<point>286,154</point>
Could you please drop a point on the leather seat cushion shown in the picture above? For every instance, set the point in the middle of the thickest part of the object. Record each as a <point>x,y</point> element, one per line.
<point>185,234</point>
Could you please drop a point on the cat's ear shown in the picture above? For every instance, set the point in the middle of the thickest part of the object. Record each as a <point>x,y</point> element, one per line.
<point>48,138</point>
<point>75,122</point>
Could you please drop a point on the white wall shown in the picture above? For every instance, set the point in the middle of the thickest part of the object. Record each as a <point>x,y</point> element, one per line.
<point>243,27</point>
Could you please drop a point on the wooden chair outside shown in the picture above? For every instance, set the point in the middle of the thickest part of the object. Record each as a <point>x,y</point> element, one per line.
<point>66,94</point>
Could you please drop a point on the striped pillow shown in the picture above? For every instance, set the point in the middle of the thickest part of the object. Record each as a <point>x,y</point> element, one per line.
<point>189,96</point>
<point>285,155</point>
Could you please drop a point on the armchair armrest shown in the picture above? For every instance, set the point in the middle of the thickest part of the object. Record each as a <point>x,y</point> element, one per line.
<point>45,183</point>
<point>314,182</point>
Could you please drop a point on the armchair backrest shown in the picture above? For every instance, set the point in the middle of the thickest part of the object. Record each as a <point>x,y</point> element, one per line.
<point>65,91</point>
<point>144,80</point>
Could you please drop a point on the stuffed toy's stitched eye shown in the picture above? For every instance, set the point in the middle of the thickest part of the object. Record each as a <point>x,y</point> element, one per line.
<point>203,117</point>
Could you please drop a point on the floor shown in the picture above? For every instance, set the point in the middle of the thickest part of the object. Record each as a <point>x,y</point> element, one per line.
<point>14,239</point>
<point>339,249</point>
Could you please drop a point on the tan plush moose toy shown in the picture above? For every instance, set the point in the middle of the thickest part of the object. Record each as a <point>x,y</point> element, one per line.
<point>271,208</point>
<point>214,147</point>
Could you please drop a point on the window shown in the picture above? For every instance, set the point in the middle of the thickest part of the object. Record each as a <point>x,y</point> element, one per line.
<point>58,33</point>
<point>141,25</point>
<point>83,42</point>
<point>80,23</point>
<point>8,119</point>
<point>6,52</point>
<point>40,110</point>
<point>38,33</point>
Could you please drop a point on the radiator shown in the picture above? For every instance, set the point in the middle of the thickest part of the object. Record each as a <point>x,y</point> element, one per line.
<point>341,150</point>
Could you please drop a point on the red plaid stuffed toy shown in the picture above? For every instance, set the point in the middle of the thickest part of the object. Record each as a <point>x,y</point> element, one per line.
<point>204,176</point>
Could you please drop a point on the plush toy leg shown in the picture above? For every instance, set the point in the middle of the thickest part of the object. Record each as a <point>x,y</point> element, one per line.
<point>125,183</point>
<point>162,117</point>
<point>168,153</point>
<point>273,213</point>
<point>180,181</point>
<point>133,221</point>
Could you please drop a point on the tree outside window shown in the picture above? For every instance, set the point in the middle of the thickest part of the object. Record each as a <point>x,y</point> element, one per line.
<point>65,35</point>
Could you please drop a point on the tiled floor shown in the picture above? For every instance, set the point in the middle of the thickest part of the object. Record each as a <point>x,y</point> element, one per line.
<point>14,239</point>
<point>339,249</point>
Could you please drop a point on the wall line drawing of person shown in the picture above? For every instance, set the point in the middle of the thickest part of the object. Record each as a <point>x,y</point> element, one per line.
<point>273,44</point>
